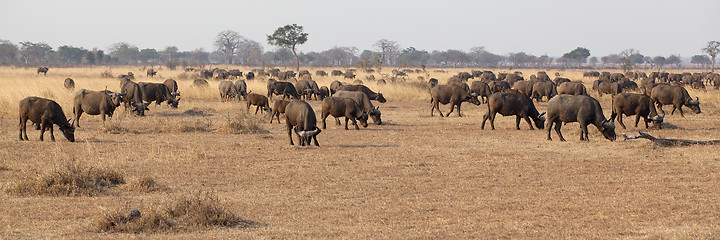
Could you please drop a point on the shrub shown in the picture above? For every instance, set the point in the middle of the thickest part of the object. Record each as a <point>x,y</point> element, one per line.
<point>70,179</point>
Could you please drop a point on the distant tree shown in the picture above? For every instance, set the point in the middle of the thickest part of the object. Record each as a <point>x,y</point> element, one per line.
<point>124,52</point>
<point>702,60</point>
<point>483,58</point>
<point>8,52</point>
<point>674,59</point>
<point>411,57</point>
<point>90,57</point>
<point>659,61</point>
<point>389,50</point>
<point>610,59</point>
<point>578,55</point>
<point>369,59</point>
<point>250,53</point>
<point>593,60</point>
<point>543,61</point>
<point>200,56</point>
<point>712,49</point>
<point>170,53</point>
<point>226,42</point>
<point>628,59</point>
<point>99,56</point>
<point>148,55</point>
<point>289,37</point>
<point>70,54</point>
<point>340,56</point>
<point>521,59</point>
<point>35,52</point>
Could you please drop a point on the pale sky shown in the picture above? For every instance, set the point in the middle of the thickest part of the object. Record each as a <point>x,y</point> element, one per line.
<point>660,27</point>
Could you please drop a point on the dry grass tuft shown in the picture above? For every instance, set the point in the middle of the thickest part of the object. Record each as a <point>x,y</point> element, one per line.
<point>202,112</point>
<point>70,179</point>
<point>200,125</point>
<point>144,184</point>
<point>243,123</point>
<point>189,212</point>
<point>113,128</point>
<point>107,74</point>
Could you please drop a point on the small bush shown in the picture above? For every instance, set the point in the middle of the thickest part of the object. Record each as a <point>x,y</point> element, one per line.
<point>113,128</point>
<point>243,123</point>
<point>200,125</point>
<point>144,185</point>
<point>197,210</point>
<point>71,179</point>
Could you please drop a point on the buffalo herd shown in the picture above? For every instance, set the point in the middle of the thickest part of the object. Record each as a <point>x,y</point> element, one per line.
<point>505,93</point>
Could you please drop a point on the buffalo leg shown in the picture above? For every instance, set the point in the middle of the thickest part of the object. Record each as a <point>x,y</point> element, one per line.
<point>458,108</point>
<point>680,110</point>
<point>346,123</point>
<point>558,125</point>
<point>23,129</point>
<point>549,128</point>
<point>77,117</point>
<point>620,121</point>
<point>289,130</point>
<point>583,131</point>
<point>52,134</point>
<point>527,119</point>
<point>323,117</point>
<point>485,118</point>
<point>42,128</point>
<point>315,139</point>
<point>452,108</point>
<point>659,107</point>
<point>256,109</point>
<point>337,121</point>
<point>637,120</point>
<point>492,120</point>
<point>354,123</point>
<point>435,105</point>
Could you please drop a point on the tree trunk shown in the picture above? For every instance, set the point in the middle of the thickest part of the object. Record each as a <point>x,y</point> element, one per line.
<point>297,61</point>
<point>712,69</point>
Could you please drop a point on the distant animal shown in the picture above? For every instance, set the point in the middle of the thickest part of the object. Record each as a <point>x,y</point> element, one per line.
<point>676,96</point>
<point>647,84</point>
<point>498,86</point>
<point>450,94</point>
<point>349,75</point>
<point>640,105</point>
<point>607,87</point>
<point>336,73</point>
<point>278,108</point>
<point>284,89</point>
<point>69,83</point>
<point>582,109</point>
<point>172,86</point>
<point>381,82</point>
<point>542,76</point>
<point>43,70</point>
<point>151,72</point>
<point>129,75</point>
<point>512,78</point>
<point>543,89</point>
<point>228,91</point>
<point>524,87</point>
<point>343,107</point>
<point>206,73</point>
<point>200,83</point>
<point>364,103</point>
<point>591,74</point>
<point>517,104</point>
<point>362,88</point>
<point>159,93</point>
<point>616,77</point>
<point>300,117</point>
<point>258,100</point>
<point>133,98</point>
<point>481,89</point>
<point>95,103</point>
<point>560,80</point>
<point>287,75</point>
<point>235,73</point>
<point>572,88</point>
<point>44,113</point>
<point>249,75</point>
<point>321,73</point>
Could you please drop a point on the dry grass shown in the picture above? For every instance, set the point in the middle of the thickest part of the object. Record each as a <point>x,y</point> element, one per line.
<point>243,123</point>
<point>188,212</point>
<point>144,184</point>
<point>70,179</point>
<point>415,176</point>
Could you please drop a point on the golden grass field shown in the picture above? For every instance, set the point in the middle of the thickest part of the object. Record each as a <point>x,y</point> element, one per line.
<point>415,176</point>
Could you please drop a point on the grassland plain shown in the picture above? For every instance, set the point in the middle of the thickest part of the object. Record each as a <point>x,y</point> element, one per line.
<point>415,176</point>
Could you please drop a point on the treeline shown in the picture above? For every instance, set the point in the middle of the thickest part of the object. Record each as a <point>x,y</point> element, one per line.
<point>388,53</point>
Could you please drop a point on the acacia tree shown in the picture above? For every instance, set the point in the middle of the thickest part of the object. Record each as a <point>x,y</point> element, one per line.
<point>289,37</point>
<point>579,55</point>
<point>226,42</point>
<point>700,59</point>
<point>388,49</point>
<point>712,49</point>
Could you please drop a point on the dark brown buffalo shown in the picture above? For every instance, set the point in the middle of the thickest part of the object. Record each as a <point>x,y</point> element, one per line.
<point>151,72</point>
<point>45,113</point>
<point>591,74</point>
<point>608,87</point>
<point>69,83</point>
<point>524,87</point>
<point>513,104</point>
<point>616,77</point>
<point>278,108</point>
<point>307,89</point>
<point>581,109</point>
<point>336,73</point>
<point>321,73</point>
<point>43,70</point>
<point>258,100</point>
<point>362,88</point>
<point>647,84</point>
<point>450,94</point>
<point>159,93</point>
<point>543,89</point>
<point>543,76</point>
<point>572,88</point>
<point>460,84</point>
<point>560,80</point>
<point>172,86</point>
<point>627,85</point>
<point>676,96</point>
<point>488,76</point>
<point>481,89</point>
<point>250,75</point>
<point>95,103</point>
<point>334,85</point>
<point>349,75</point>
<point>287,75</point>
<point>133,98</point>
<point>498,86</point>
<point>343,107</point>
<point>323,92</point>
<point>512,78</point>
<point>300,117</point>
<point>284,89</point>
<point>640,105</point>
<point>364,103</point>
<point>235,73</point>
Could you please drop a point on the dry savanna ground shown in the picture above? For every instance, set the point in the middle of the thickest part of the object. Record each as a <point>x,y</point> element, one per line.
<point>210,169</point>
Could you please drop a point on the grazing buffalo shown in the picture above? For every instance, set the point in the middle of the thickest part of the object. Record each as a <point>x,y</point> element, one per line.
<point>343,107</point>
<point>591,74</point>
<point>578,108</point>
<point>627,85</point>
<point>481,89</point>
<point>95,103</point>
<point>228,91</point>
<point>524,87</point>
<point>287,75</point>
<point>676,96</point>
<point>133,98</point>
<point>362,88</point>
<point>200,83</point>
<point>364,103</point>
<point>278,108</point>
<point>608,87</point>
<point>300,117</point>
<point>647,84</point>
<point>235,73</point>
<point>321,73</point>
<point>498,86</point>
<point>151,72</point>
<point>258,100</point>
<point>542,89</point>
<point>450,94</point>
<point>336,73</point>
<point>45,113</point>
<point>43,70</point>
<point>560,80</point>
<point>543,76</point>
<point>69,84</point>
<point>286,89</point>
<point>334,85</point>
<point>129,75</point>
<point>173,86</point>
<point>159,93</point>
<point>250,75</point>
<point>640,105</point>
<point>349,75</point>
<point>241,88</point>
<point>513,104</point>
<point>572,88</point>
<point>616,77</point>
<point>307,88</point>
<point>323,92</point>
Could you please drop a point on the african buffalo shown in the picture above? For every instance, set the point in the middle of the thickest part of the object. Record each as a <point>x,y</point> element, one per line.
<point>578,108</point>
<point>513,104</point>
<point>343,107</point>
<point>151,72</point>
<point>481,89</point>
<point>676,96</point>
<point>543,89</point>
<point>258,100</point>
<point>450,94</point>
<point>572,88</point>
<point>45,113</point>
<point>286,89</point>
<point>95,103</point>
<point>228,91</point>
<point>241,88</point>
<point>278,108</point>
<point>43,70</point>
<point>172,86</point>
<point>69,83</point>
<point>300,117</point>
<point>200,83</point>
<point>133,98</point>
<point>364,103</point>
<point>362,88</point>
<point>640,105</point>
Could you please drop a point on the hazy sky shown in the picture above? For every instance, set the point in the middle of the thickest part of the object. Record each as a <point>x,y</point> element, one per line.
<point>660,27</point>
